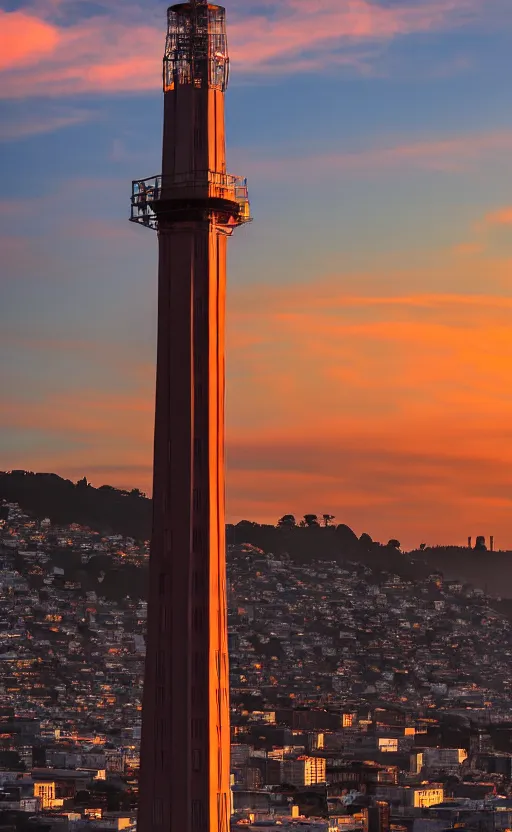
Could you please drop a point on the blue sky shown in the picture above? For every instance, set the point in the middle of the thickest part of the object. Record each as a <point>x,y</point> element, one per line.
<point>369,303</point>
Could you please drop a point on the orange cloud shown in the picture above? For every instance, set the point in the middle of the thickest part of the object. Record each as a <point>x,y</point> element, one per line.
<point>402,399</point>
<point>92,54</point>
<point>468,249</point>
<point>320,27</point>
<point>503,216</point>
<point>25,39</point>
<point>483,229</point>
<point>391,412</point>
<point>94,414</point>
<point>91,57</point>
<point>415,493</point>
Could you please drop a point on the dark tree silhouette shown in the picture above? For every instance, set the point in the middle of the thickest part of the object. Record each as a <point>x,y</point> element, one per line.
<point>311,520</point>
<point>287,521</point>
<point>136,493</point>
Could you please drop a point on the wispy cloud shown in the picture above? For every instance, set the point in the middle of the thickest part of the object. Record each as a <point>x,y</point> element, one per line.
<point>303,29</point>
<point>393,412</point>
<point>107,53</point>
<point>45,53</point>
<point>502,216</point>
<point>484,229</point>
<point>469,249</point>
<point>25,124</point>
<point>440,153</point>
<point>402,397</point>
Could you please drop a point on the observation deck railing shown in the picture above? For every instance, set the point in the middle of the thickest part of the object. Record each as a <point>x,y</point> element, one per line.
<point>188,187</point>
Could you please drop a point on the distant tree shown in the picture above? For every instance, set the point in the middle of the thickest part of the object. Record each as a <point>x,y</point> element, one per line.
<point>287,521</point>
<point>136,493</point>
<point>327,518</point>
<point>394,544</point>
<point>366,541</point>
<point>311,520</point>
<point>480,544</point>
<point>423,546</point>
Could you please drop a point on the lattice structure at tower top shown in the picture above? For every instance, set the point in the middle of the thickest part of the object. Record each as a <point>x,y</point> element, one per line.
<point>196,49</point>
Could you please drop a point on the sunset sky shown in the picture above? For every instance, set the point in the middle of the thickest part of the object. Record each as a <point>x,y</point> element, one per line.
<point>370,303</point>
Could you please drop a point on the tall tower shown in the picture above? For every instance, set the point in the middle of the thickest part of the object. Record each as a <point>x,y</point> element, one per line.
<point>194,205</point>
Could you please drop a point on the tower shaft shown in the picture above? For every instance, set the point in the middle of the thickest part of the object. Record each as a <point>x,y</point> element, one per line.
<point>194,205</point>
<point>194,135</point>
<point>184,781</point>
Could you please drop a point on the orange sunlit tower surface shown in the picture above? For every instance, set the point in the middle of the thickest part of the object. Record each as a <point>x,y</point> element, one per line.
<point>194,205</point>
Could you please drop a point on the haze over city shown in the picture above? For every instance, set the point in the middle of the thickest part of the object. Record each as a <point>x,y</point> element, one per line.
<point>369,342</point>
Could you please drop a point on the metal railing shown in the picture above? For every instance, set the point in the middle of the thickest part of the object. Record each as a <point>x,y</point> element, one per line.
<point>188,186</point>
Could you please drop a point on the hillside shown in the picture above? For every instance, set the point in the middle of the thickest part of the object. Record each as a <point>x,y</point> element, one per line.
<point>105,509</point>
<point>112,511</point>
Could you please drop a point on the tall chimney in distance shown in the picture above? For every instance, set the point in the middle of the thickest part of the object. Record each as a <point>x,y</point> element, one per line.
<point>184,783</point>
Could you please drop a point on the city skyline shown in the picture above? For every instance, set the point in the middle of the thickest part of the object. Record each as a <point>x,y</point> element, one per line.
<point>369,343</point>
